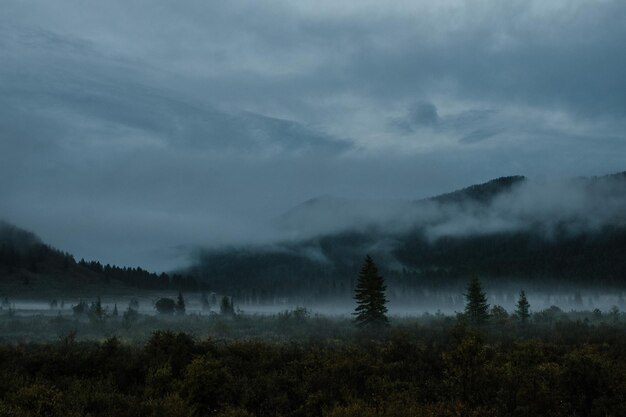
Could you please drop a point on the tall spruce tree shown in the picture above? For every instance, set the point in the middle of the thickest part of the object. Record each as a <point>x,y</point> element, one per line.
<point>523,307</point>
<point>476,309</point>
<point>370,297</point>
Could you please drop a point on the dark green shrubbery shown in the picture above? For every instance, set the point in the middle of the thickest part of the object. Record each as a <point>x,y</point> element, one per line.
<point>433,366</point>
<point>165,306</point>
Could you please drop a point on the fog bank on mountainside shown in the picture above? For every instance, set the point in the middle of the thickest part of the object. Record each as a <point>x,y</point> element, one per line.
<point>571,230</point>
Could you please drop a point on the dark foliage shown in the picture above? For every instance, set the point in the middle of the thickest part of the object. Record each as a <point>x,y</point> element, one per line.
<point>23,254</point>
<point>523,307</point>
<point>370,297</point>
<point>529,255</point>
<point>165,306</point>
<point>526,254</point>
<point>574,370</point>
<point>476,308</point>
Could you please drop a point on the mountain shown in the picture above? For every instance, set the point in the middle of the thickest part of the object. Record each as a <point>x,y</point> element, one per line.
<point>481,193</point>
<point>27,265</point>
<point>330,214</point>
<point>510,228</point>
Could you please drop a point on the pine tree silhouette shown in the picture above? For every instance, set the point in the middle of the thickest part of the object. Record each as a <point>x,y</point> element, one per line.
<point>476,309</point>
<point>522,307</point>
<point>370,297</point>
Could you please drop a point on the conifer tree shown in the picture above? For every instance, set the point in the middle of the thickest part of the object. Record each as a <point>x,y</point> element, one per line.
<point>522,307</point>
<point>477,308</point>
<point>96,309</point>
<point>370,297</point>
<point>227,308</point>
<point>180,304</point>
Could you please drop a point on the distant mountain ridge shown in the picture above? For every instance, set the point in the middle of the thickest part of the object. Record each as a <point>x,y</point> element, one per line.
<point>507,228</point>
<point>570,231</point>
<point>482,193</point>
<point>328,213</point>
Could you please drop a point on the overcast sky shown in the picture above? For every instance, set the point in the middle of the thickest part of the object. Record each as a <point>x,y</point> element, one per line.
<point>131,130</point>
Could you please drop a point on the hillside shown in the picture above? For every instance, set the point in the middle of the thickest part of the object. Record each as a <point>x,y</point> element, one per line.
<point>480,193</point>
<point>27,265</point>
<point>510,228</point>
<point>507,229</point>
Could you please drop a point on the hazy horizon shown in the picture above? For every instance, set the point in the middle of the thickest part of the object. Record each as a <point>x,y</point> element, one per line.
<point>131,132</point>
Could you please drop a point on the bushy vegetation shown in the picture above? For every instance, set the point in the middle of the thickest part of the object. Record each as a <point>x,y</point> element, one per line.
<point>295,364</point>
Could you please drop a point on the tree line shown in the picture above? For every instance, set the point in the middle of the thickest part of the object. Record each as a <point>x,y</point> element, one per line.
<point>564,258</point>
<point>371,310</point>
<point>140,278</point>
<point>40,259</point>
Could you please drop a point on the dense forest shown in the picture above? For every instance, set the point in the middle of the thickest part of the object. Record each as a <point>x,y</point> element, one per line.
<point>577,260</point>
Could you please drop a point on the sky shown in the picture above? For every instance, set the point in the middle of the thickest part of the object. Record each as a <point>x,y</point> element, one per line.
<point>132,131</point>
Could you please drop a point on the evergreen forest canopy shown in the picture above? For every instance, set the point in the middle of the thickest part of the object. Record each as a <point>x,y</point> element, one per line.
<point>26,260</point>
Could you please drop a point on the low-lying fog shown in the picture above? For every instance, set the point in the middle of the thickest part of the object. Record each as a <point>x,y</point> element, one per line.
<point>414,304</point>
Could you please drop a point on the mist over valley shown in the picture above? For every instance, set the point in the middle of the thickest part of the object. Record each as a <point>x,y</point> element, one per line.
<point>560,240</point>
<point>312,209</point>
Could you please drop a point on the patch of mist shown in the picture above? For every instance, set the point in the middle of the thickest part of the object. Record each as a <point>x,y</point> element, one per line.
<point>574,206</point>
<point>411,302</point>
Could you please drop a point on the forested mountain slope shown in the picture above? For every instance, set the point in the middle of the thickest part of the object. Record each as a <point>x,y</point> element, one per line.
<point>509,228</point>
<point>28,263</point>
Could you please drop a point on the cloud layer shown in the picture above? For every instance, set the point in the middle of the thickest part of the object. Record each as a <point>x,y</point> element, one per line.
<point>130,130</point>
<point>580,205</point>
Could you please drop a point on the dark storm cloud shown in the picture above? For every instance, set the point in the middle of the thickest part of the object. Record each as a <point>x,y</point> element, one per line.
<point>130,129</point>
